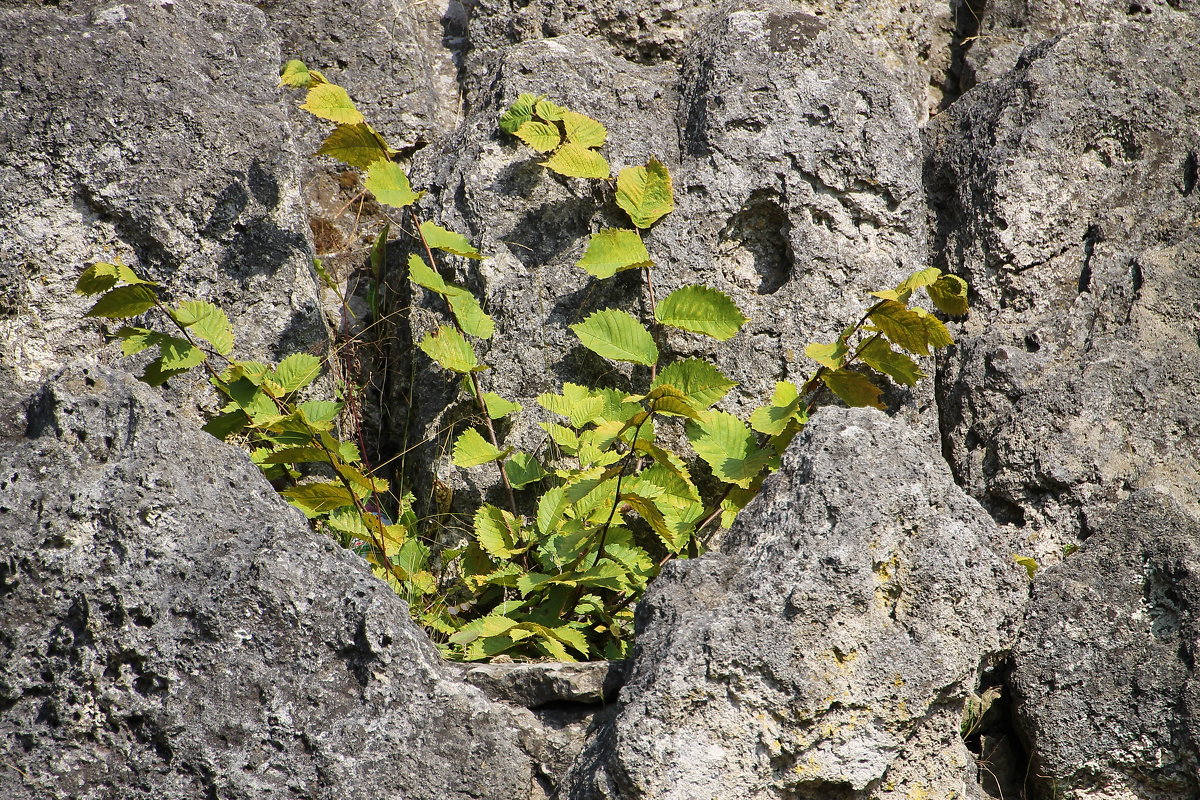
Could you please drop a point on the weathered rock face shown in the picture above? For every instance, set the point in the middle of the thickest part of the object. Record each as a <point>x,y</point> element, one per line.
<point>1065,193</point>
<point>152,132</point>
<point>1105,677</point>
<point>797,170</point>
<point>826,650</point>
<point>169,627</point>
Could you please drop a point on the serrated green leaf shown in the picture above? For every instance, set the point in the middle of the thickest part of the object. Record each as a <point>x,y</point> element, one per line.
<point>551,112</point>
<point>902,326</point>
<point>124,302</point>
<point>853,388</point>
<point>296,455</point>
<point>98,278</point>
<point>562,436</point>
<point>701,383</point>
<point>135,340</point>
<point>390,185</point>
<point>550,510</point>
<point>539,136</point>
<point>439,238</point>
<point>423,275</point>
<point>319,411</point>
<point>472,450</point>
<point>520,112</point>
<point>155,375</point>
<point>935,332</point>
<point>356,145</point>
<point>612,250</point>
<point>667,399</point>
<point>880,356</point>
<point>297,371</point>
<point>949,294</point>
<point>178,354</point>
<point>728,447</point>
<point>701,309</point>
<point>330,101</point>
<point>922,277</point>
<point>831,356</point>
<point>577,403</point>
<point>575,161</point>
<point>617,335</point>
<point>316,498</point>
<point>469,314</point>
<point>583,130</point>
<point>645,193</point>
<point>448,348</point>
<point>531,581</point>
<point>523,469</point>
<point>208,322</point>
<point>295,73</point>
<point>497,532</point>
<point>225,425</point>
<point>785,407</point>
<point>498,407</point>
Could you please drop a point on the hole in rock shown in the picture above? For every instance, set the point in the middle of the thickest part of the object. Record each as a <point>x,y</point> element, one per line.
<point>990,732</point>
<point>756,245</point>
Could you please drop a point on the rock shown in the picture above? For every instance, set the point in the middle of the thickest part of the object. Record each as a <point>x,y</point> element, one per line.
<point>536,685</point>
<point>998,31</point>
<point>1105,676</point>
<point>171,628</point>
<point>150,131</point>
<point>826,650</point>
<point>797,175</point>
<point>1066,194</point>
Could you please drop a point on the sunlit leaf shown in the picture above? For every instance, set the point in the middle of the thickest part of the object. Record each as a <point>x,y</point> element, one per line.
<point>853,388</point>
<point>728,447</point>
<point>645,193</point>
<point>539,135</point>
<point>316,498</point>
<point>523,469</point>
<point>613,250</point>
<point>390,185</point>
<point>124,302</point>
<point>902,326</point>
<point>575,161</point>
<point>297,371</point>
<point>949,294</point>
<point>699,381</point>
<point>701,309</point>
<point>447,347</point>
<point>583,130</point>
<point>356,145</point>
<point>330,101</point>
<point>617,335</point>
<point>207,322</point>
<point>472,450</point>
<point>879,355</point>
<point>439,238</point>
<point>520,112</point>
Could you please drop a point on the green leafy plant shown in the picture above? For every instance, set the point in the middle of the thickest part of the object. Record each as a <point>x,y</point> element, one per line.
<point>629,481</point>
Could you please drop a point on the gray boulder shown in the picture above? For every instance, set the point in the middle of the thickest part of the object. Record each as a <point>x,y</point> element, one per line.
<point>1066,194</point>
<point>169,627</point>
<point>1105,679</point>
<point>152,132</point>
<point>826,650</point>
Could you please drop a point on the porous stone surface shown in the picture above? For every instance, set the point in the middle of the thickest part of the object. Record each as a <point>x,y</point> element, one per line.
<point>169,627</point>
<point>534,685</point>
<point>151,132</point>
<point>1065,193</point>
<point>826,649</point>
<point>796,163</point>
<point>1105,678</point>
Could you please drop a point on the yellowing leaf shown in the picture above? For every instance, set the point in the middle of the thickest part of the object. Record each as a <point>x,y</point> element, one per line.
<point>1029,563</point>
<point>699,381</point>
<point>785,408</point>
<point>316,498</point>
<point>539,135</point>
<point>616,335</point>
<point>935,332</point>
<point>903,326</point>
<point>701,309</point>
<point>879,355</point>
<point>728,447</point>
<point>356,145</point>
<point>390,185</point>
<point>330,101</point>
<point>613,250</point>
<point>447,347</point>
<point>295,73</point>
<point>828,355</point>
<point>583,130</point>
<point>439,238</point>
<point>853,388</point>
<point>497,531</point>
<point>575,161</point>
<point>472,450</point>
<point>949,294</point>
<point>645,193</point>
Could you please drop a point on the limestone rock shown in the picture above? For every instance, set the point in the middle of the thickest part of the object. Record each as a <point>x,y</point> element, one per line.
<point>171,628</point>
<point>1066,194</point>
<point>153,132</point>
<point>1105,680</point>
<point>826,650</point>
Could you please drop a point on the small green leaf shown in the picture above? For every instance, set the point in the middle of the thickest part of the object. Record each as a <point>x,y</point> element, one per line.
<point>853,388</point>
<point>124,302</point>
<point>208,322</point>
<point>469,314</point>
<point>1028,562</point>
<point>902,326</point>
<point>472,450</point>
<point>831,356</point>
<point>616,335</point>
<point>728,447</point>
<point>135,340</point>
<point>439,238</point>
<point>356,145</point>
<point>178,354</point>
<point>949,294</point>
<point>98,278</point>
<point>225,425</point>
<point>583,130</point>
<point>295,73</point>
<point>699,381</point>
<point>390,185</point>
<point>520,112</point>
<point>575,161</point>
<point>539,136</point>
<point>549,111</point>
<point>577,403</point>
<point>156,375</point>
<point>550,510</point>
<point>613,250</point>
<point>423,275</point>
<point>330,101</point>
<point>497,531</point>
<point>498,407</point>
<point>316,498</point>
<point>318,411</point>
<point>523,469</point>
<point>922,277</point>
<point>645,193</point>
<point>297,371</point>
<point>701,309</point>
<point>378,254</point>
<point>879,355</point>
<point>447,347</point>
<point>785,408</point>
